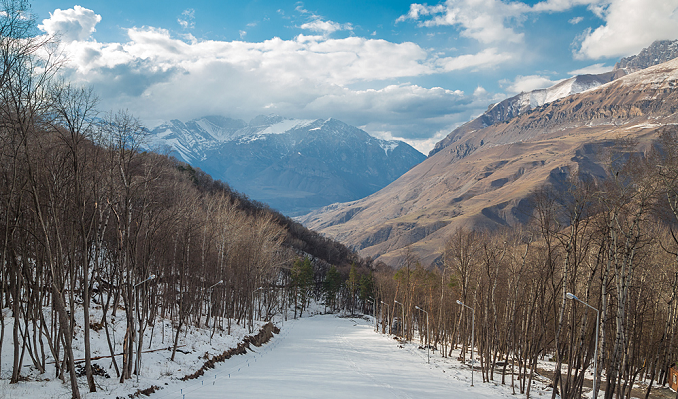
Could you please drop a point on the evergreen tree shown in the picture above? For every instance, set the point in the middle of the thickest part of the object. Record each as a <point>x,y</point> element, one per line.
<point>331,286</point>
<point>302,281</point>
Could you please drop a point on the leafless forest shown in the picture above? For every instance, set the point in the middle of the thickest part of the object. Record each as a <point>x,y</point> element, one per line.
<point>86,215</point>
<point>610,243</point>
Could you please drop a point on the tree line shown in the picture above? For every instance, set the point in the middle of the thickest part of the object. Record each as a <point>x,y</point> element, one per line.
<point>87,216</point>
<point>608,242</point>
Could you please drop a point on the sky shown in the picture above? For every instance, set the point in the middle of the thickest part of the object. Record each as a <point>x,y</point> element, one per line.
<point>397,69</point>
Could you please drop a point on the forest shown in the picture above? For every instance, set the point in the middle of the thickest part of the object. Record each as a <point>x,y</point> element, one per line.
<point>87,216</point>
<point>594,249</point>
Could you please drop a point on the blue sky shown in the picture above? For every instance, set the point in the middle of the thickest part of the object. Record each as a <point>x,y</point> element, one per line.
<point>398,69</point>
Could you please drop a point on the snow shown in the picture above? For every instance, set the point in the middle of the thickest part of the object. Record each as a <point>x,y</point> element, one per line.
<point>662,76</point>
<point>286,125</point>
<point>323,355</point>
<point>388,145</point>
<point>157,368</point>
<point>216,132</point>
<point>332,357</point>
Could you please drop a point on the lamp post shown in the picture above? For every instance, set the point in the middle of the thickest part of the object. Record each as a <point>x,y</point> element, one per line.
<point>473,323</point>
<point>387,314</point>
<point>402,321</point>
<point>570,295</point>
<point>428,355</point>
<point>138,365</point>
<point>374,312</point>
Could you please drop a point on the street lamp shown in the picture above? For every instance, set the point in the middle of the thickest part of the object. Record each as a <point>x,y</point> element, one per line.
<point>570,295</point>
<point>402,321</point>
<point>138,365</point>
<point>387,314</point>
<point>473,323</point>
<point>428,355</point>
<point>374,312</point>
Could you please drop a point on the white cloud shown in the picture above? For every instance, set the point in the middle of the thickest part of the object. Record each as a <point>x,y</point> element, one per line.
<point>629,26</point>
<point>325,27</point>
<point>591,69</point>
<point>484,20</point>
<point>528,83</point>
<point>161,77</point>
<point>187,19</point>
<point>563,5</point>
<point>487,58</point>
<point>77,23</point>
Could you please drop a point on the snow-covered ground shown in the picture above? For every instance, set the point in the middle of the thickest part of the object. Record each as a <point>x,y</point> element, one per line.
<point>156,366</point>
<point>319,356</point>
<point>326,356</point>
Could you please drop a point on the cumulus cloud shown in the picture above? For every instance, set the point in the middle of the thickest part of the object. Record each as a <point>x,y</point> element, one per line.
<point>629,26</point>
<point>487,58</point>
<point>75,24</point>
<point>528,83</point>
<point>484,20</point>
<point>162,77</point>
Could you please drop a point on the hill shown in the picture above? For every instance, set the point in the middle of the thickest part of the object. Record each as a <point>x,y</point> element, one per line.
<point>486,177</point>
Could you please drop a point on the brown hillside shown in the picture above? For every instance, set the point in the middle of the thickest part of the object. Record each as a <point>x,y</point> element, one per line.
<point>485,177</point>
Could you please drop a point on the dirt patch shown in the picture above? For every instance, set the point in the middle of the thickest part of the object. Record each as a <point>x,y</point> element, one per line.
<point>264,335</point>
<point>145,392</point>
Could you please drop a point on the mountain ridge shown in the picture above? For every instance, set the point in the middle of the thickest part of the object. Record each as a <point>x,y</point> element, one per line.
<point>487,178</point>
<point>294,165</point>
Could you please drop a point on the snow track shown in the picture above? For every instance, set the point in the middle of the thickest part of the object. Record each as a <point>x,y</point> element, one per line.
<point>330,357</point>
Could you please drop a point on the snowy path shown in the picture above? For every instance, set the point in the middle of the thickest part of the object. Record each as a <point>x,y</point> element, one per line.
<point>330,357</point>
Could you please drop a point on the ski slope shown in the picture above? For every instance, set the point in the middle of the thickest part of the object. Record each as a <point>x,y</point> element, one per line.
<point>325,356</point>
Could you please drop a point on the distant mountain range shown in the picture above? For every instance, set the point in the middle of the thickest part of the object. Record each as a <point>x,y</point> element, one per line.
<point>484,174</point>
<point>290,164</point>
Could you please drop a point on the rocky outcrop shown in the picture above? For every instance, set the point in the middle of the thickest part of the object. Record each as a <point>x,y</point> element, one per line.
<point>659,52</point>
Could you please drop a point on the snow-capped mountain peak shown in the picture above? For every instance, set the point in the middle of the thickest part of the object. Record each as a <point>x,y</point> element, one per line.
<point>294,165</point>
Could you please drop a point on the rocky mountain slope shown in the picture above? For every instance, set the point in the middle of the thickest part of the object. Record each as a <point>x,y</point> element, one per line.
<point>658,52</point>
<point>524,102</point>
<point>290,164</point>
<point>485,176</point>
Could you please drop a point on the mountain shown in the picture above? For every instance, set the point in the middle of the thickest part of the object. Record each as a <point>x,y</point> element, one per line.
<point>485,175</point>
<point>292,165</point>
<point>659,52</point>
<point>524,102</point>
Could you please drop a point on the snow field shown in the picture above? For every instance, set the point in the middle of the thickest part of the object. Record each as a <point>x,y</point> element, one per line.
<point>331,357</point>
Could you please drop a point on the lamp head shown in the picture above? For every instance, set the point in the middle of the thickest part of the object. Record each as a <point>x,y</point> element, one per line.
<point>459,302</point>
<point>151,277</point>
<point>569,295</point>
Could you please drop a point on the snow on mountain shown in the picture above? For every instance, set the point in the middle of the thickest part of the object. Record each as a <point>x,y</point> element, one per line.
<point>294,165</point>
<point>658,52</point>
<point>526,101</point>
<point>286,125</point>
